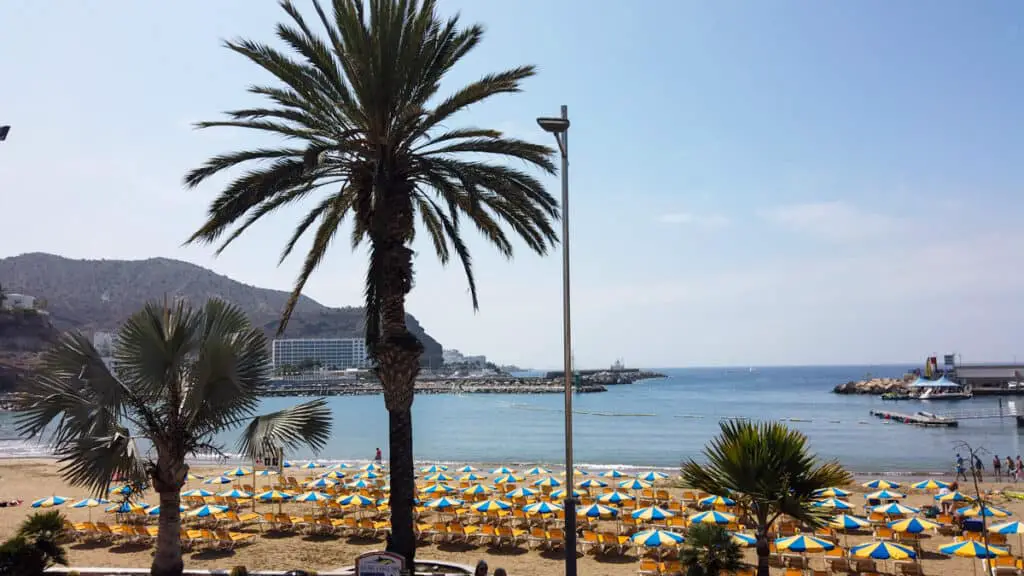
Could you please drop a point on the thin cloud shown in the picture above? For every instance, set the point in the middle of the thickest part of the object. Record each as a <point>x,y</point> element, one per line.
<point>837,221</point>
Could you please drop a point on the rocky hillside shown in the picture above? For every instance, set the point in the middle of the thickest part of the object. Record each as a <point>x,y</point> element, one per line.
<point>95,295</point>
<point>23,334</point>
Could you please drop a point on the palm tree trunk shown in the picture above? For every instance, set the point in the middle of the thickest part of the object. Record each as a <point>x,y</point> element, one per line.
<point>167,558</point>
<point>763,551</point>
<point>168,477</point>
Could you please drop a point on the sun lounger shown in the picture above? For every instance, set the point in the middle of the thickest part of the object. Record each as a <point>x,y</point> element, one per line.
<point>648,567</point>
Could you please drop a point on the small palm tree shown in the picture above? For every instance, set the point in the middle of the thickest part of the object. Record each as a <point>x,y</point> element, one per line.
<point>372,141</point>
<point>710,551</point>
<point>180,376</point>
<point>768,469</point>
<point>36,545</point>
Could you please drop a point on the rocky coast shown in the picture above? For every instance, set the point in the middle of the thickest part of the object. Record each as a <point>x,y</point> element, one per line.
<point>876,386</point>
<point>441,386</point>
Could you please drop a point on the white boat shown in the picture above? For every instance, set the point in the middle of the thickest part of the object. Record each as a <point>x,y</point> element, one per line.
<point>941,389</point>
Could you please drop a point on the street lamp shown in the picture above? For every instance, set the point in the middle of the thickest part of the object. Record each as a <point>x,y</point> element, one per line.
<point>4,130</point>
<point>560,128</point>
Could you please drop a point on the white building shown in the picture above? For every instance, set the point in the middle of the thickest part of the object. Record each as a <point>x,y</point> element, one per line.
<point>14,301</point>
<point>453,357</point>
<point>328,353</point>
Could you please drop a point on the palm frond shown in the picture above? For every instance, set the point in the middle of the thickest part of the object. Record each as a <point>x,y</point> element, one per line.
<point>93,461</point>
<point>304,424</point>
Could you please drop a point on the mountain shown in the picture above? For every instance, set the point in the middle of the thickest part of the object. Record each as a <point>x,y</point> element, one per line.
<point>92,295</point>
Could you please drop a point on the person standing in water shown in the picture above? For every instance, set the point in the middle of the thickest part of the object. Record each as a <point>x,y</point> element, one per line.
<point>378,456</point>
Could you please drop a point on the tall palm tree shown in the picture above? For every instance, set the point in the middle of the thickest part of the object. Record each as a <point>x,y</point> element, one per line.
<point>710,551</point>
<point>180,376</point>
<point>767,468</point>
<point>372,140</point>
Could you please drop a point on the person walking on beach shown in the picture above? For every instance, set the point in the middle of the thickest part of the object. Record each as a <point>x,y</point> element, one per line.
<point>960,471</point>
<point>979,468</point>
<point>481,569</point>
<point>378,456</point>
<point>997,466</point>
<point>1011,470</point>
<point>1020,468</point>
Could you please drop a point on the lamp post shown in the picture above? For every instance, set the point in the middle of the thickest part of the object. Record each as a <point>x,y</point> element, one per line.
<point>4,130</point>
<point>560,128</point>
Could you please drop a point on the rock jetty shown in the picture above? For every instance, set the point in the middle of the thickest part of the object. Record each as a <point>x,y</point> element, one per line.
<point>875,386</point>
<point>452,386</point>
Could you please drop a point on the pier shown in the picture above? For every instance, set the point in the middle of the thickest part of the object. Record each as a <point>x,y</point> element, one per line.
<point>918,419</point>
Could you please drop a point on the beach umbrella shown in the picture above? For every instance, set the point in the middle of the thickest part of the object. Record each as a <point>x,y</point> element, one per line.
<point>235,494</point>
<point>339,466</point>
<point>651,514</point>
<point>575,472</point>
<point>613,473</point>
<point>368,475</point>
<point>615,498</point>
<point>652,476</point>
<point>548,481</point>
<point>287,464</point>
<point>273,496</point>
<point>930,484</point>
<point>742,539</point>
<point>542,508</point>
<point>831,492</point>
<point>881,550</point>
<point>372,467</point>
<point>972,549</point>
<point>467,469</point>
<point>834,504</point>
<point>713,517</point>
<point>267,472</point>
<point>597,511</point>
<point>848,522</point>
<point>355,500</point>
<point>656,538</point>
<point>240,471</point>
<point>310,466</point>
<point>477,489</point>
<point>521,492</point>
<point>881,484</point>
<point>508,479</point>
<point>90,503</point>
<point>803,543</point>
<point>126,507</point>
<point>502,470</point>
<point>437,489</point>
<point>715,501</point>
<point>894,509</point>
<point>443,503</point>
<point>191,477</point>
<point>217,480</point>
<point>913,525</point>
<point>1014,527</point>
<point>990,511</point>
<point>491,506</point>
<point>592,483</point>
<point>312,496</point>
<point>155,510</point>
<point>196,493</point>
<point>358,484</point>
<point>207,511</point>
<point>561,492</point>
<point>471,477</point>
<point>320,483</point>
<point>634,484</point>
<point>439,477</point>
<point>955,496</point>
<point>334,475</point>
<point>123,489</point>
<point>884,495</point>
<point>434,469</point>
<point>49,502</point>
<point>537,471</point>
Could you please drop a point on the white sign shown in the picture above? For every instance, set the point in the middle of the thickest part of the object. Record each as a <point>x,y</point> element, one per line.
<point>380,564</point>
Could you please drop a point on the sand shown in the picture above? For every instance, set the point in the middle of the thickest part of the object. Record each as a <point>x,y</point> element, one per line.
<point>32,479</point>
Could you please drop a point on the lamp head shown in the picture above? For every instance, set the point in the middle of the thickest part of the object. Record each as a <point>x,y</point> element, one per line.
<point>554,125</point>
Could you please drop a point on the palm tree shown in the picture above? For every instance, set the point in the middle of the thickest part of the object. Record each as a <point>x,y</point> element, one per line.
<point>768,469</point>
<point>372,140</point>
<point>180,376</point>
<point>709,551</point>
<point>36,545</point>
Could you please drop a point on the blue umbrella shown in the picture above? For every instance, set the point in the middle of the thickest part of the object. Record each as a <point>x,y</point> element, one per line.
<point>712,517</point>
<point>885,495</point>
<point>49,502</point>
<point>803,543</point>
<point>197,493</point>
<point>155,510</point>
<point>123,490</point>
<point>236,493</point>
<point>656,538</point>
<point>973,549</point>
<point>833,503</point>
<point>321,483</point>
<point>444,502</point>
<point>652,514</point>
<point>592,483</point>
<point>597,511</point>
<point>743,539</point>
<point>434,469</point>
<point>126,507</point>
<point>542,508</point>
<point>652,476</point>
<point>89,503</point>
<point>217,480</point>
<point>895,509</point>
<point>883,551</point>
<point>847,522</point>
<point>206,511</point>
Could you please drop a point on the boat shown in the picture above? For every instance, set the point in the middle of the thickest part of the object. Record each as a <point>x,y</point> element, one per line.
<point>896,396</point>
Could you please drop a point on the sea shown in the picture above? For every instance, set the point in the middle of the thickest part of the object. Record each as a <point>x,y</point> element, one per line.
<point>650,424</point>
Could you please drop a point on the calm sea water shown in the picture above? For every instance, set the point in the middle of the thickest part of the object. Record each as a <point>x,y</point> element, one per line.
<point>653,423</point>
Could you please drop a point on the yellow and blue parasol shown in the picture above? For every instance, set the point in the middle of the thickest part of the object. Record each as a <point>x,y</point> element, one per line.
<point>548,481</point>
<point>197,493</point>
<point>437,489</point>
<point>955,496</point>
<point>848,522</point>
<point>833,504</point>
<point>491,506</point>
<point>155,510</point>
<point>217,480</point>
<point>434,469</point>
<point>90,503</point>
<point>913,525</point>
<point>273,496</point>
<point>240,471</point>
<point>207,511</point>
<point>651,514</point>
<point>615,498</point>
<point>334,475</point>
<point>989,511</point>
<point>127,507</point>
<point>311,465</point>
<point>716,501</point>
<point>656,538</point>
<point>355,500</point>
<point>613,473</point>
<point>885,495</point>
<point>467,469</point>
<point>712,517</point>
<point>742,539</point>
<point>561,492</point>
<point>831,492</point>
<point>470,477</point>
<point>542,508</point>
<point>477,489</point>
<point>883,551</point>
<point>803,543</point>
<point>439,477</point>
<point>235,493</point>
<point>592,483</point>
<point>537,471</point>
<point>444,503</point>
<point>634,484</point>
<point>881,484</point>
<point>930,484</point>
<point>652,476</point>
<point>312,496</point>
<point>502,471</point>
<point>972,549</point>
<point>894,509</point>
<point>49,502</point>
<point>521,492</point>
<point>508,479</point>
<point>320,483</point>
<point>597,511</point>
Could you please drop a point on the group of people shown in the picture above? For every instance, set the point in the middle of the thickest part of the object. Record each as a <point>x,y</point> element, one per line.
<point>1014,468</point>
<point>481,570</point>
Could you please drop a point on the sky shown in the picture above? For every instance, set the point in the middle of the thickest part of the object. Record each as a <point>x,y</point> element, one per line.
<point>752,183</point>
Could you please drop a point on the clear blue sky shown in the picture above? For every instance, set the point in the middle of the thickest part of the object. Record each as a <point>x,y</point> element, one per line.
<point>753,182</point>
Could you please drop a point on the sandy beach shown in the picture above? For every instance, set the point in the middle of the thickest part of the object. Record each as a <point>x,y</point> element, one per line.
<point>32,479</point>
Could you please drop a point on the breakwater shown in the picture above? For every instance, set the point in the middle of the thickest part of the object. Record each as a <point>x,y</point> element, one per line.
<point>462,386</point>
<point>876,386</point>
